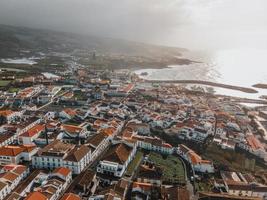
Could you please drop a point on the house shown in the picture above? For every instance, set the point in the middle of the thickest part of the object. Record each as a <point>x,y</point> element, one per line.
<point>10,177</point>
<point>140,128</point>
<point>16,154</point>
<point>254,146</point>
<point>239,184</point>
<point>27,124</point>
<point>10,115</point>
<point>48,186</point>
<point>59,154</point>
<point>63,173</point>
<point>28,137</point>
<point>141,190</point>
<point>197,163</point>
<point>153,144</point>
<point>116,191</point>
<point>68,113</point>
<point>7,138</point>
<point>88,183</point>
<point>98,144</point>
<point>116,160</point>
<point>3,190</point>
<point>97,93</point>
<point>72,132</point>
<point>195,134</point>
<point>174,192</point>
<point>36,195</point>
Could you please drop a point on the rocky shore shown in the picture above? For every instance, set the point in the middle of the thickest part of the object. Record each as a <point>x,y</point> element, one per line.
<point>260,86</point>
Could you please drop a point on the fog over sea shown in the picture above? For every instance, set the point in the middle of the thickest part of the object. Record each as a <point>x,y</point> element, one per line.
<point>240,67</point>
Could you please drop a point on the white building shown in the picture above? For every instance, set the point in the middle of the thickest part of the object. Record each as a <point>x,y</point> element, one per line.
<point>16,154</point>
<point>154,144</point>
<point>10,115</point>
<point>11,177</point>
<point>116,160</point>
<point>59,154</point>
<point>198,164</point>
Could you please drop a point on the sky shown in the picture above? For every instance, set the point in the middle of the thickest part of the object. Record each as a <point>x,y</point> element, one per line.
<point>193,24</point>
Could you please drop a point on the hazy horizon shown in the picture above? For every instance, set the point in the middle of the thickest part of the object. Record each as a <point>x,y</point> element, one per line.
<point>193,24</point>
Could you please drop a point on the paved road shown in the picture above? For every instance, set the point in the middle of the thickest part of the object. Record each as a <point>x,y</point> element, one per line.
<point>52,100</point>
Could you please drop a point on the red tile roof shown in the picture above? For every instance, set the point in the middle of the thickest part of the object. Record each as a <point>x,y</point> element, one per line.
<point>6,113</point>
<point>62,171</point>
<point>36,196</point>
<point>70,112</point>
<point>118,153</point>
<point>10,176</point>
<point>15,150</point>
<point>10,150</point>
<point>34,130</point>
<point>108,131</point>
<point>196,159</point>
<point>71,128</point>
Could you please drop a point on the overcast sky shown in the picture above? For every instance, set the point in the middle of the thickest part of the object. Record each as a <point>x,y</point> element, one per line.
<point>196,24</point>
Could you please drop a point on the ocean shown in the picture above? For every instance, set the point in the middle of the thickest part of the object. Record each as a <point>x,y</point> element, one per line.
<point>240,67</point>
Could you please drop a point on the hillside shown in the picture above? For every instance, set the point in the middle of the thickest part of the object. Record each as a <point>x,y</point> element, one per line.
<point>19,41</point>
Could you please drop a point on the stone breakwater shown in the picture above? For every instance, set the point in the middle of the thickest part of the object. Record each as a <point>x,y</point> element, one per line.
<point>208,83</point>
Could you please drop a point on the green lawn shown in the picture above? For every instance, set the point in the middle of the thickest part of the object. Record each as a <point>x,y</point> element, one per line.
<point>133,164</point>
<point>173,169</point>
<point>13,89</point>
<point>4,83</point>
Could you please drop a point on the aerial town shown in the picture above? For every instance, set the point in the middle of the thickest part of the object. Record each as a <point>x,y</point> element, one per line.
<point>83,134</point>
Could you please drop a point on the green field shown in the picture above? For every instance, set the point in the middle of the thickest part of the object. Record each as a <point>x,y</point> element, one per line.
<point>13,89</point>
<point>4,83</point>
<point>173,169</point>
<point>134,163</point>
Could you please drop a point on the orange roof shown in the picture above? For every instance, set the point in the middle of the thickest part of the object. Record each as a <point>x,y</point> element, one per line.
<point>6,113</point>
<point>108,131</point>
<point>68,95</point>
<point>34,130</point>
<point>71,128</point>
<point>62,171</point>
<point>28,147</point>
<point>253,142</point>
<point>70,111</point>
<point>36,196</point>
<point>196,159</point>
<point>20,169</point>
<point>98,122</point>
<point>128,132</point>
<point>143,186</point>
<point>10,150</point>
<point>70,196</point>
<point>10,176</point>
<point>10,167</point>
<point>167,145</point>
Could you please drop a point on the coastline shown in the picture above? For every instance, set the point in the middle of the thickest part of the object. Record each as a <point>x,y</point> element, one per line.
<point>208,83</point>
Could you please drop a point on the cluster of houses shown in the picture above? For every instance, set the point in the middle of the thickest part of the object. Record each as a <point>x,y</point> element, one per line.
<point>89,134</point>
